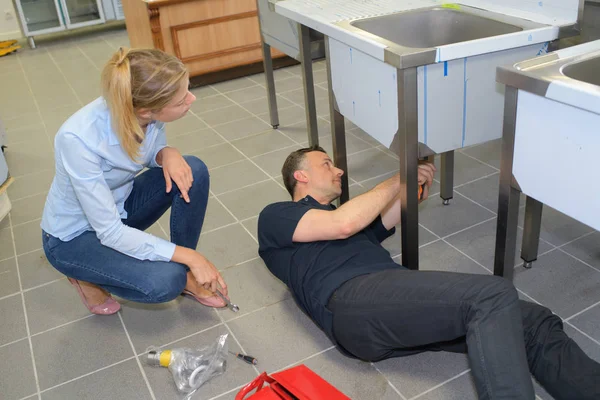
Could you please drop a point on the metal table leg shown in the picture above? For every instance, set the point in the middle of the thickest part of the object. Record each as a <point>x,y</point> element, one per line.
<point>508,198</point>
<point>409,158</point>
<point>447,177</point>
<point>531,231</point>
<point>338,133</point>
<point>309,87</point>
<point>270,82</point>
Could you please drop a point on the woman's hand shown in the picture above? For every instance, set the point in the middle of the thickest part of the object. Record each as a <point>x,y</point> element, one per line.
<point>205,273</point>
<point>176,169</point>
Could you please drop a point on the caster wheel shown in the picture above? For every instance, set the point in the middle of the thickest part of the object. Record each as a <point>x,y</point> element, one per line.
<point>527,264</point>
<point>446,202</point>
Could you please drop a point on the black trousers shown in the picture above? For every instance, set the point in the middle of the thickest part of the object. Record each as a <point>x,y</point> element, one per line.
<point>399,312</point>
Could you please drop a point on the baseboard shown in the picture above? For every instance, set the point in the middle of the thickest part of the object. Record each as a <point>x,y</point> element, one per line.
<point>11,35</point>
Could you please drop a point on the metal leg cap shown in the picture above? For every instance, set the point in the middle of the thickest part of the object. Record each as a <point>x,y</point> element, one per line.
<point>446,202</point>
<point>527,264</point>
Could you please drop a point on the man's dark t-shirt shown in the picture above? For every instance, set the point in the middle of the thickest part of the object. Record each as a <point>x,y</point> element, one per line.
<point>313,271</point>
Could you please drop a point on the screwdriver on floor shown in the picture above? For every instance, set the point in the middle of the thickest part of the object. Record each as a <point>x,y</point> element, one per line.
<point>247,359</point>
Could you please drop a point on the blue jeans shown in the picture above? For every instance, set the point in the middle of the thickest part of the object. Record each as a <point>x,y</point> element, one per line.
<point>85,258</point>
<point>399,312</point>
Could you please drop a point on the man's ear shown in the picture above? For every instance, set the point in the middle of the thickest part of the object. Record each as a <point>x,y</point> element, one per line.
<point>300,176</point>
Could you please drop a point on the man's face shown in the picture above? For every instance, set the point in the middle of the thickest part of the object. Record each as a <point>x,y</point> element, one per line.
<point>323,177</point>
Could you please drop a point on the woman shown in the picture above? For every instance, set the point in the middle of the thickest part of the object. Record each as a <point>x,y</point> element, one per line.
<point>98,206</point>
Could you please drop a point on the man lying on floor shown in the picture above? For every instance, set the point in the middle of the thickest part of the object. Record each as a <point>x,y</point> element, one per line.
<point>372,308</point>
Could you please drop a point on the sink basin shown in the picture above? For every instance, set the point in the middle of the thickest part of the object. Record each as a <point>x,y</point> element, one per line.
<point>433,27</point>
<point>587,71</point>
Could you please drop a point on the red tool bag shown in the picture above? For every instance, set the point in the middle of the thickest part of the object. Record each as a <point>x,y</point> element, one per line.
<point>297,383</point>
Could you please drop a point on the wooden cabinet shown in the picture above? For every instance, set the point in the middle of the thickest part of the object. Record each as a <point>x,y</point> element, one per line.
<point>207,35</point>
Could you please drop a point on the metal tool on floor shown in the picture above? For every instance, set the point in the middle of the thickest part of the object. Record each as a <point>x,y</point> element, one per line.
<point>245,358</point>
<point>232,307</point>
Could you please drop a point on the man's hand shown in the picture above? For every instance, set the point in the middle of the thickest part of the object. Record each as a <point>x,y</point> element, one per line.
<point>175,168</point>
<point>426,171</point>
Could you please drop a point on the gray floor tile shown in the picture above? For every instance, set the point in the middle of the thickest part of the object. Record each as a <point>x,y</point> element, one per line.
<point>589,322</point>
<point>14,320</point>
<point>273,161</point>
<point>415,374</point>
<point>233,176</point>
<point>247,94</point>
<point>353,145</point>
<point>219,155</point>
<point>349,376</point>
<point>250,201</point>
<point>28,209</point>
<point>34,132</point>
<point>440,256</point>
<point>299,133</point>
<point>159,324</point>
<point>4,224</point>
<point>461,388</point>
<point>52,305</point>
<point>242,128</point>
<point>557,228</point>
<point>369,164</point>
<point>287,116</point>
<point>234,84</point>
<point>289,84</point>
<point>31,119</point>
<point>93,335</point>
<point>29,157</point>
<point>121,381</point>
<point>189,123</point>
<point>483,191</point>
<point>36,270</point>
<point>6,241</point>
<point>204,104</point>
<point>261,106</point>
<point>251,286</point>
<point>297,96</point>
<point>157,230</point>
<point>589,347</point>
<point>445,220</point>
<point>466,169</point>
<point>359,133</point>
<point>27,185</point>
<point>489,152</point>
<point>216,216</point>
<point>9,277</point>
<point>262,143</point>
<point>587,249</point>
<point>228,246</point>
<point>479,242</point>
<point>279,335</point>
<point>194,141</point>
<point>16,377</point>
<point>236,374</point>
<point>28,237</point>
<point>224,115</point>
<point>560,282</point>
<point>203,91</point>
<point>252,226</point>
<point>393,244</point>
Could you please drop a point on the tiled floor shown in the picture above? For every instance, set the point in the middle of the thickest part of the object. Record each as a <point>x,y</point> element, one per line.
<point>52,348</point>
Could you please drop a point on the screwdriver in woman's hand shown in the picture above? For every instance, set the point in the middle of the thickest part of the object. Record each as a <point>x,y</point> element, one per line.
<point>247,359</point>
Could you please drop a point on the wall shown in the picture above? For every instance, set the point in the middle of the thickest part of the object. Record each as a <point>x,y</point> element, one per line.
<point>9,29</point>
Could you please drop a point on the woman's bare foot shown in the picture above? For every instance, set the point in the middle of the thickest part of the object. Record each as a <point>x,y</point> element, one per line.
<point>193,286</point>
<point>94,295</point>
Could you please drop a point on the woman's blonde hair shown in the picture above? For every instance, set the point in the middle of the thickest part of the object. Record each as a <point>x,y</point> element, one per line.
<point>134,79</point>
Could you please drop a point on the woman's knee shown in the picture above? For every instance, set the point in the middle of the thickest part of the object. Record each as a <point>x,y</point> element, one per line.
<point>168,284</point>
<point>199,168</point>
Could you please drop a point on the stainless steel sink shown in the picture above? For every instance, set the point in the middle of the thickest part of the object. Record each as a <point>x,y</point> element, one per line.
<point>587,71</point>
<point>433,27</point>
<point>411,38</point>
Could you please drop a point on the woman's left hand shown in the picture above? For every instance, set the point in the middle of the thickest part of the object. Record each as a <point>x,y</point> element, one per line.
<point>176,169</point>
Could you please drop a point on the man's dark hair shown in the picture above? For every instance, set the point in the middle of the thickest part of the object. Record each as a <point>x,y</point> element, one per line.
<point>293,163</point>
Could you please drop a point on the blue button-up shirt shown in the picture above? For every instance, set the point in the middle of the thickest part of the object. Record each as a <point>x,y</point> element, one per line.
<point>94,177</point>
